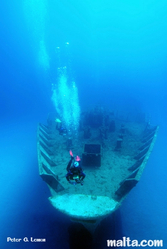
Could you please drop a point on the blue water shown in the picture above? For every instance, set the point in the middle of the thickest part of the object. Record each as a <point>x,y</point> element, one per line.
<point>118,58</point>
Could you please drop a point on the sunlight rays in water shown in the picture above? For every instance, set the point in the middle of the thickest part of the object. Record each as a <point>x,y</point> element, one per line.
<point>35,12</point>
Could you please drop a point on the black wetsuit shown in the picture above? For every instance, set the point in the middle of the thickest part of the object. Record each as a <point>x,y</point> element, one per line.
<point>74,171</point>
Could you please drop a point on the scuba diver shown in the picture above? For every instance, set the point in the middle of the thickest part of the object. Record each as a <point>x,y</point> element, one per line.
<point>74,170</point>
<point>59,126</point>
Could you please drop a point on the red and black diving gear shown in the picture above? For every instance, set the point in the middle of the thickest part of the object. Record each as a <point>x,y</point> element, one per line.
<point>75,173</point>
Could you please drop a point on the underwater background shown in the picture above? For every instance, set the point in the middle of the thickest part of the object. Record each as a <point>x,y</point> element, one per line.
<point>117,55</point>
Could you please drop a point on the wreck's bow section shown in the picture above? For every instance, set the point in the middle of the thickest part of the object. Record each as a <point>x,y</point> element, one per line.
<point>114,154</point>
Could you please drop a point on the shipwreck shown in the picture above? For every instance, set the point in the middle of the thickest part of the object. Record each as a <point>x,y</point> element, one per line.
<point>114,148</point>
